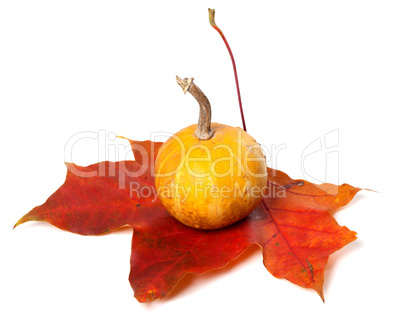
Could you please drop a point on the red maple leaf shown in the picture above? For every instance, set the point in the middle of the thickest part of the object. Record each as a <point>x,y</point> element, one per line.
<point>293,225</point>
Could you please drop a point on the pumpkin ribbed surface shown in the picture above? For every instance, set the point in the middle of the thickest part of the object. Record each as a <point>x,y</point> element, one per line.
<point>210,184</point>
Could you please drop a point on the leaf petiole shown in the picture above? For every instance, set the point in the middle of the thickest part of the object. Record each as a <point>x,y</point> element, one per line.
<point>213,24</point>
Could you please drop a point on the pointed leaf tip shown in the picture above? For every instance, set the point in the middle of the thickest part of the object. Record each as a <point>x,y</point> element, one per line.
<point>28,217</point>
<point>322,296</point>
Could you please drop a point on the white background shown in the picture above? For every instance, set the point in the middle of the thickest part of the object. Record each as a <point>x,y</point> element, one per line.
<point>306,68</point>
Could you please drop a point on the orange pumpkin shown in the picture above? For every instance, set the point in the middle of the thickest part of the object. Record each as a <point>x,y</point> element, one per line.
<point>209,176</point>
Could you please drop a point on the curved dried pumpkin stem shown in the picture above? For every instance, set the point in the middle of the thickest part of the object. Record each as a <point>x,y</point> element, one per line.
<point>204,130</point>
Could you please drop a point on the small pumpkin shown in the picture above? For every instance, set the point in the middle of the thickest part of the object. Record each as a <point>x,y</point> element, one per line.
<point>209,175</point>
